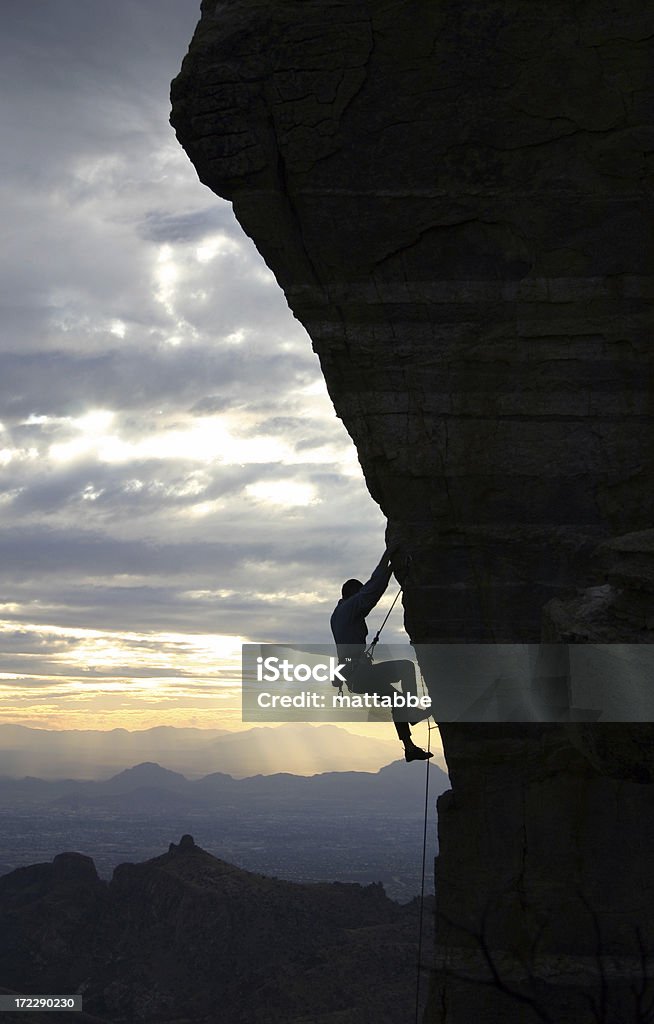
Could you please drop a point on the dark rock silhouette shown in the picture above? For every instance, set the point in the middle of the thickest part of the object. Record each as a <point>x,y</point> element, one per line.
<point>186,845</point>
<point>177,936</point>
<point>148,773</point>
<point>455,212</point>
<point>456,199</point>
<point>47,911</point>
<point>390,789</point>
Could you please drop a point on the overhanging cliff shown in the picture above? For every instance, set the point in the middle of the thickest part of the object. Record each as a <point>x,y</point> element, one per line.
<point>451,196</point>
<point>456,200</point>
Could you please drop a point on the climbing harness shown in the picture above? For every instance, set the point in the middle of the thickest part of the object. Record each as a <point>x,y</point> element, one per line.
<point>368,654</point>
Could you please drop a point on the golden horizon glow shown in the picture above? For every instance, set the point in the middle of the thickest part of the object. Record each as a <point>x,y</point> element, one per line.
<point>77,678</point>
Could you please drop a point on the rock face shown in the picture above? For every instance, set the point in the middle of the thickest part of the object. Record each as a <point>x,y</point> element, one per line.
<point>451,196</point>
<point>620,609</point>
<point>456,200</point>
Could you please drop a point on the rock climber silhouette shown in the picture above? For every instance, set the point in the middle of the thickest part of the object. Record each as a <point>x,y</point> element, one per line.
<point>349,628</point>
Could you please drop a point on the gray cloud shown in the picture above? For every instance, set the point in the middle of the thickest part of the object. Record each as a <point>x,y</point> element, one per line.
<point>126,286</point>
<point>192,377</point>
<point>162,227</point>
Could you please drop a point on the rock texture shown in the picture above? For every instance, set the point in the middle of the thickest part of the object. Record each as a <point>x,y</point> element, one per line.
<point>621,606</point>
<point>619,609</point>
<point>456,200</point>
<point>453,198</point>
<point>190,939</point>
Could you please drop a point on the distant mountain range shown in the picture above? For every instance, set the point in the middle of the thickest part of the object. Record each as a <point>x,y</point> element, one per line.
<point>147,786</point>
<point>188,938</point>
<point>301,749</point>
<point>348,826</point>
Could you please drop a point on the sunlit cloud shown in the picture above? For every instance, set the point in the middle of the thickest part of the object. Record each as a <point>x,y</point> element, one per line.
<point>91,494</point>
<point>83,670</point>
<point>216,245</point>
<point>166,274</point>
<point>202,509</point>
<point>201,439</point>
<point>118,328</point>
<point>285,493</point>
<point>8,455</point>
<point>171,466</point>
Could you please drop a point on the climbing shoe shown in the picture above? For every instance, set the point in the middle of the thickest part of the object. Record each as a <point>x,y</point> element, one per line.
<point>413,753</point>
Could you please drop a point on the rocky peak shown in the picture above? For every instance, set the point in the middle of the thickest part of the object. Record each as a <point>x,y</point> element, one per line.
<point>74,867</point>
<point>174,937</point>
<point>186,845</point>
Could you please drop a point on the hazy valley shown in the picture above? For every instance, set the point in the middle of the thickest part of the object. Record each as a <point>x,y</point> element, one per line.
<point>184,933</point>
<point>336,826</point>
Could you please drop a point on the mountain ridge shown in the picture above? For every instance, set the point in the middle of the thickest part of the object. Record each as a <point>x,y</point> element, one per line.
<point>299,747</point>
<point>171,938</point>
<point>395,778</point>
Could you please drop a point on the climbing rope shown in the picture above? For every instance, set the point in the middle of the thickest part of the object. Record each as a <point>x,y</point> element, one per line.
<point>369,654</point>
<point>370,649</point>
<point>424,861</point>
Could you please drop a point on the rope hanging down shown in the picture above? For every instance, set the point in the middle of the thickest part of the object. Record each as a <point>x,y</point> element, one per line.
<point>424,859</point>
<point>369,654</point>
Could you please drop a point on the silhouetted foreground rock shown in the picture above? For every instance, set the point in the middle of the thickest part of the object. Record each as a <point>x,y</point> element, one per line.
<point>186,937</point>
<point>456,199</point>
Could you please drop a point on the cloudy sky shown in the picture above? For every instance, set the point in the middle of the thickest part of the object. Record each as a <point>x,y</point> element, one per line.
<point>172,474</point>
